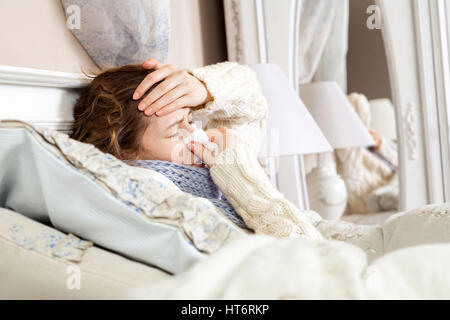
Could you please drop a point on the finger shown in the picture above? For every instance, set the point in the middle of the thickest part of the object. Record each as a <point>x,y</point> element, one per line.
<point>200,151</point>
<point>166,99</point>
<point>163,88</point>
<point>159,92</point>
<point>151,63</point>
<point>151,79</point>
<point>223,130</point>
<point>213,135</point>
<point>179,103</point>
<point>203,153</point>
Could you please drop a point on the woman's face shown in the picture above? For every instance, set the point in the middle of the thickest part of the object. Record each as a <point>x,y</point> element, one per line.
<point>163,138</point>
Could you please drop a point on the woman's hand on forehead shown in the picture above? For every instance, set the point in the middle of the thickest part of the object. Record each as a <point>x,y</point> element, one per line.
<point>175,89</point>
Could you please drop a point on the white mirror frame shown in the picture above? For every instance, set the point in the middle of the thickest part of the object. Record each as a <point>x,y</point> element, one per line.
<point>416,45</point>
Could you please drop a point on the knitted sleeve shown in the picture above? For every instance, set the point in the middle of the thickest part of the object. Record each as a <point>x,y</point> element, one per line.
<point>263,208</point>
<point>388,152</point>
<point>238,102</point>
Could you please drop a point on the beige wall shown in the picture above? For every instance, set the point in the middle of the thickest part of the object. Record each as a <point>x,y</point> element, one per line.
<point>367,70</point>
<point>33,34</point>
<point>197,33</point>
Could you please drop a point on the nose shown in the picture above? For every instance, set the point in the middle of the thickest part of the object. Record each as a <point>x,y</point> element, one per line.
<point>185,125</point>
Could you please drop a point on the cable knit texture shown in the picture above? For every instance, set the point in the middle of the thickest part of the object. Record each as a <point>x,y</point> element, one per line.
<point>239,104</point>
<point>361,170</point>
<point>264,209</point>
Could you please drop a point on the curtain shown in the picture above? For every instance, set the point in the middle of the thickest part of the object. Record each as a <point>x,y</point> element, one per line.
<point>324,41</point>
<point>323,46</point>
<point>119,32</point>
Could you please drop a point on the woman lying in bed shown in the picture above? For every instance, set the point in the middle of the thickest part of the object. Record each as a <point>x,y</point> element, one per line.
<point>115,114</point>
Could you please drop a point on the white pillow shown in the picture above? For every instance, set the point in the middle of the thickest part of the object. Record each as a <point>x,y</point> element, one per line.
<point>81,190</point>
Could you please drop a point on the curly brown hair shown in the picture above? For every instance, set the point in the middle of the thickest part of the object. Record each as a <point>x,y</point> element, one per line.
<point>106,115</point>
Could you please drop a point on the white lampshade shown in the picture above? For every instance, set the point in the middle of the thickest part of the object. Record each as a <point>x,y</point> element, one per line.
<point>291,130</point>
<point>383,118</point>
<point>335,115</point>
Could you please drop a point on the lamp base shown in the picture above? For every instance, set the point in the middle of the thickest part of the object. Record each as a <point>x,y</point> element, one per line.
<point>327,193</point>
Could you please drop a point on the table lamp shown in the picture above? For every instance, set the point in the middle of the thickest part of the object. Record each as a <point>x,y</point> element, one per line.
<point>343,128</point>
<point>291,130</point>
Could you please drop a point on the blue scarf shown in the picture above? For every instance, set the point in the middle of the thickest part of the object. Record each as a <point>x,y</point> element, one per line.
<point>196,181</point>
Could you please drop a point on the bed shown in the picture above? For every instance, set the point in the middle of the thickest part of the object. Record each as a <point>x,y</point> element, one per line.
<point>354,261</point>
<point>39,261</point>
<point>407,255</point>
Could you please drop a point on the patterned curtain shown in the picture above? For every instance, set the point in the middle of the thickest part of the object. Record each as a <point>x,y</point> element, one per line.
<point>119,32</point>
<point>324,41</point>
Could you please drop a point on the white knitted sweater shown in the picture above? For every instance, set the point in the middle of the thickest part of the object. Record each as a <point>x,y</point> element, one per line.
<point>361,171</point>
<point>239,104</point>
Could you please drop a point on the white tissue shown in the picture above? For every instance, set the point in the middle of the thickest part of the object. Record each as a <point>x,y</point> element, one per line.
<point>200,136</point>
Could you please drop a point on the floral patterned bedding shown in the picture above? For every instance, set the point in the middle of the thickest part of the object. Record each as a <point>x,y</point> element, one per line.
<point>132,203</point>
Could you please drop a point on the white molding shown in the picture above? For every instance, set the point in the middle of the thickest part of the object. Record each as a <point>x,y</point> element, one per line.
<point>430,115</point>
<point>39,97</point>
<point>296,45</point>
<point>442,74</point>
<point>411,130</point>
<point>393,77</point>
<point>404,63</point>
<point>261,28</point>
<point>241,28</point>
<point>433,51</point>
<point>234,32</point>
<point>293,41</point>
<point>42,78</point>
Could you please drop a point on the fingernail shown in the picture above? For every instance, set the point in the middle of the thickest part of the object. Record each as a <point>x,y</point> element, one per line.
<point>148,111</point>
<point>136,95</point>
<point>159,113</point>
<point>141,106</point>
